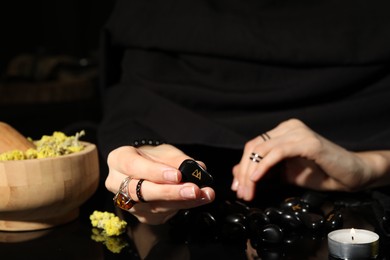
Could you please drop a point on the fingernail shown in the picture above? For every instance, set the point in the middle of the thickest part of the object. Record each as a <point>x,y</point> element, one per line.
<point>206,196</point>
<point>235,185</point>
<point>188,192</point>
<point>171,175</point>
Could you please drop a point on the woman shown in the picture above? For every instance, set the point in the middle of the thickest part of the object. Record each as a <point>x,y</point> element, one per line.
<point>250,86</point>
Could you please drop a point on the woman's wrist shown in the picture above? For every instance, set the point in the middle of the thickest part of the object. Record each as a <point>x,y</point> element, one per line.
<point>377,164</point>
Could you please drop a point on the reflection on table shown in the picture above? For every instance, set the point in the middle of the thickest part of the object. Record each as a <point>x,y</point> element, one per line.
<point>217,231</point>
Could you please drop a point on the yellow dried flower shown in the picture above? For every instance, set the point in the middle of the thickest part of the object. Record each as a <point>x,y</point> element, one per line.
<point>12,155</point>
<point>111,224</point>
<point>48,146</point>
<point>107,228</point>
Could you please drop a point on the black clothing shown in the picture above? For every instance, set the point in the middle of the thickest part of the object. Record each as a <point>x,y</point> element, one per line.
<point>220,72</point>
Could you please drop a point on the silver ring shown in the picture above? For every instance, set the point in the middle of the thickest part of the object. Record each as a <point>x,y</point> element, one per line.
<point>122,198</point>
<point>255,157</point>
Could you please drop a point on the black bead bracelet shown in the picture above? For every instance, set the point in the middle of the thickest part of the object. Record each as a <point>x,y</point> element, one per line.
<point>139,143</point>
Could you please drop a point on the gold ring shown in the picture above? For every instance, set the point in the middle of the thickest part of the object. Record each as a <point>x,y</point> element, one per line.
<point>122,198</point>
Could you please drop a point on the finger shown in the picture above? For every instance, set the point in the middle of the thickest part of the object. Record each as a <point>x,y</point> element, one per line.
<point>151,191</point>
<point>128,160</point>
<point>157,212</point>
<point>246,186</point>
<point>279,151</point>
<point>254,154</point>
<point>235,183</point>
<point>239,171</point>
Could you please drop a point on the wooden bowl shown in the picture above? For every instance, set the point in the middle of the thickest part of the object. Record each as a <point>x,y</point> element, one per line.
<point>43,193</point>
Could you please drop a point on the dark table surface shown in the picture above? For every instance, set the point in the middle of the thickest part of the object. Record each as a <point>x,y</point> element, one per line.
<point>74,240</point>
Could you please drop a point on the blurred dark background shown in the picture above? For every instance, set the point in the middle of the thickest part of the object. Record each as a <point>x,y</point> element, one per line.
<point>49,65</point>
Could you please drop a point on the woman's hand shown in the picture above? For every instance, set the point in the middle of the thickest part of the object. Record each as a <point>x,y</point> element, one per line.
<point>310,161</point>
<point>162,190</point>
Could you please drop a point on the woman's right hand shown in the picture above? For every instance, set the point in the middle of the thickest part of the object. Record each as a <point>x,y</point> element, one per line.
<point>162,189</point>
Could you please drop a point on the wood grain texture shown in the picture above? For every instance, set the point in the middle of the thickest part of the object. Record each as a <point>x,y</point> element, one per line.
<point>42,193</point>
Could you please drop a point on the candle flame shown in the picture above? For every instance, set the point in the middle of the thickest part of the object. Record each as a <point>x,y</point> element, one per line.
<point>352,232</point>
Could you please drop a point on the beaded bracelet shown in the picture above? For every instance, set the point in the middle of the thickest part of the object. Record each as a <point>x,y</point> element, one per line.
<point>139,143</point>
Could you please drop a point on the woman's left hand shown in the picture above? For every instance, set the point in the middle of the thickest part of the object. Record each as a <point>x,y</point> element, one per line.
<point>311,161</point>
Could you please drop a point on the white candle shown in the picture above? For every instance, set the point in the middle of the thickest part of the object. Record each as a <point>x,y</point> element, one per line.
<point>353,243</point>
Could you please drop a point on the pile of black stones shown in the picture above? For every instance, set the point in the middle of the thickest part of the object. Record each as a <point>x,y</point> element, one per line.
<point>297,223</point>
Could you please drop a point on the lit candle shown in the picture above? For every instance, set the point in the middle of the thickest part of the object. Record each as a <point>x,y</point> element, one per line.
<point>353,244</point>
